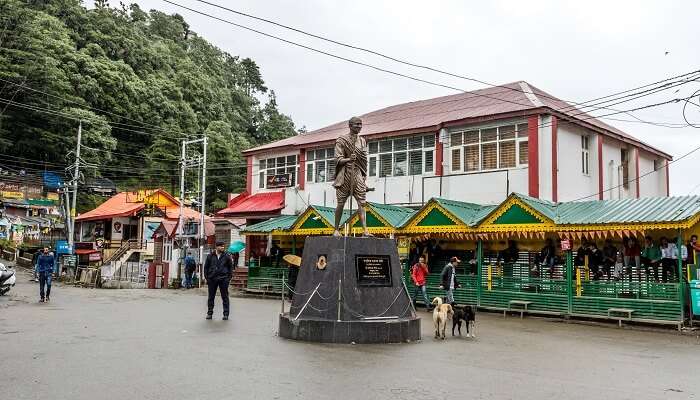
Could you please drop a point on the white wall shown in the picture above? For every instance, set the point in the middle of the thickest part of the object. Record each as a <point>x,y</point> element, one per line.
<point>612,175</point>
<point>654,184</point>
<point>482,188</point>
<point>573,184</point>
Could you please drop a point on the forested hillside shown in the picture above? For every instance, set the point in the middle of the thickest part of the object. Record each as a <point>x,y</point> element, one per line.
<point>139,80</point>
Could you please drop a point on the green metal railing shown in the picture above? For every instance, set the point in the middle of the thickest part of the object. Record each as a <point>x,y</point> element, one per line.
<point>564,290</point>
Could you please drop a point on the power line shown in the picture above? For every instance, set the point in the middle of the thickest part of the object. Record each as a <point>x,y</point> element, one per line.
<point>45,110</point>
<point>143,125</point>
<point>639,177</point>
<point>380,54</point>
<point>355,61</point>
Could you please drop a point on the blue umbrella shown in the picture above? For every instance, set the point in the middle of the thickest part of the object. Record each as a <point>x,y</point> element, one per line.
<point>235,247</point>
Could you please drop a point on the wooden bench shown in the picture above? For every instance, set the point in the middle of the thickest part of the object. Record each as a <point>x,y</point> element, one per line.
<point>522,310</point>
<point>627,311</point>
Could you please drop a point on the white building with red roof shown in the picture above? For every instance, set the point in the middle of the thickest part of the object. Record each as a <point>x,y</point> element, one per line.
<point>475,146</point>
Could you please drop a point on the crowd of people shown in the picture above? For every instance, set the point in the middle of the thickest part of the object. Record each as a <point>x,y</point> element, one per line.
<point>650,261</point>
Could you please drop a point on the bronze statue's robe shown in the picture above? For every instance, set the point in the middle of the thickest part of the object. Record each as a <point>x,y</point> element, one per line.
<point>350,178</point>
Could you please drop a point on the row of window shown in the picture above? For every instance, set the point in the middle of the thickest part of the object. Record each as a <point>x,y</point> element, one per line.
<point>472,150</point>
<point>487,149</point>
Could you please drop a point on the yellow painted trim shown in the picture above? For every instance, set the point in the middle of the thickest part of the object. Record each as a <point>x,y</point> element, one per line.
<point>434,205</point>
<point>305,216</point>
<point>500,210</point>
<point>376,214</point>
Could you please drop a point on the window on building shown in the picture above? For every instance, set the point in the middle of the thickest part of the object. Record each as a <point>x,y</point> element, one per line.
<point>489,148</point>
<point>320,165</point>
<point>585,154</point>
<point>167,249</point>
<point>624,166</point>
<point>277,166</point>
<point>408,155</point>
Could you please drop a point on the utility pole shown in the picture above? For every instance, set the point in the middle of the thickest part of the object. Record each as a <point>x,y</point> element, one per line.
<point>76,176</point>
<point>201,178</point>
<point>202,234</point>
<point>180,229</point>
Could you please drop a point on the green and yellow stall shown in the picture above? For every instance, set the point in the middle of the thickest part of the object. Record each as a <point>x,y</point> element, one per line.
<point>499,244</point>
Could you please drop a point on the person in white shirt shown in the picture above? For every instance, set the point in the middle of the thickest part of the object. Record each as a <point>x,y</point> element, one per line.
<point>669,260</point>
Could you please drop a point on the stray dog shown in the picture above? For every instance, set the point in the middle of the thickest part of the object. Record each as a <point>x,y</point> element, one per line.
<point>467,315</point>
<point>440,315</point>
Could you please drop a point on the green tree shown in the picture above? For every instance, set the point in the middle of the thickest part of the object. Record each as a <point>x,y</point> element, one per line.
<point>140,81</point>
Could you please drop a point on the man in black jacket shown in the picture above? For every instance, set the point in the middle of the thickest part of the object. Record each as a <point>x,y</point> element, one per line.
<point>448,279</point>
<point>218,269</point>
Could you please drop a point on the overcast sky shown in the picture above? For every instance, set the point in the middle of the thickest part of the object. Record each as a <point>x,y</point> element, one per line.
<point>575,50</point>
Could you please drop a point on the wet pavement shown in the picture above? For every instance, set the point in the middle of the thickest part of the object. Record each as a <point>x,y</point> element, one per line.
<point>155,344</point>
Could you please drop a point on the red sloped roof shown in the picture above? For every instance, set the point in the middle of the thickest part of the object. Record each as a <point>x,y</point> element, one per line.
<point>170,228</point>
<point>86,251</point>
<point>429,115</point>
<point>115,206</point>
<point>187,213</point>
<point>259,203</point>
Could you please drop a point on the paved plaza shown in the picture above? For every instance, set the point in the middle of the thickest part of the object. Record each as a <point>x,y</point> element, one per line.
<point>155,344</point>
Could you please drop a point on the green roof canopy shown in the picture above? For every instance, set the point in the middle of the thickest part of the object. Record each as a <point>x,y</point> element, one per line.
<point>283,222</point>
<point>597,212</point>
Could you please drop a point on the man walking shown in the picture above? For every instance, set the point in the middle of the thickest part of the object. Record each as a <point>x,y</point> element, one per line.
<point>419,273</point>
<point>449,279</point>
<point>218,269</point>
<point>44,269</point>
<point>190,267</point>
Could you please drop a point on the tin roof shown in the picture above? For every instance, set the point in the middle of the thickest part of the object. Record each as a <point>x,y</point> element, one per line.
<point>469,213</point>
<point>328,213</point>
<point>649,210</point>
<point>430,115</point>
<point>259,203</point>
<point>115,206</point>
<point>396,216</point>
<point>680,209</point>
<point>282,222</point>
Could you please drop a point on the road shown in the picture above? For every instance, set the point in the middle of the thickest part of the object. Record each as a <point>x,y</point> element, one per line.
<point>155,344</point>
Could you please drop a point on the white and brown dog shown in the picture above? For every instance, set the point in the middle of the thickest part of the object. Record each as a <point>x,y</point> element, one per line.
<point>441,314</point>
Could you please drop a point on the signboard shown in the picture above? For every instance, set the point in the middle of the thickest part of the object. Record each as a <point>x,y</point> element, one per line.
<point>11,195</point>
<point>52,196</point>
<point>278,181</point>
<point>373,270</point>
<point>62,247</point>
<point>143,196</point>
<point>34,191</point>
<point>403,247</point>
<point>70,261</point>
<point>565,244</point>
<point>94,256</point>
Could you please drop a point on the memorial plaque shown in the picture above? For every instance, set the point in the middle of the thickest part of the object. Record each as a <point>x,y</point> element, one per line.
<point>373,270</point>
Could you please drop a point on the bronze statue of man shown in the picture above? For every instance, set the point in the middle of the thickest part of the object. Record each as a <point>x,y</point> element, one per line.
<point>351,173</point>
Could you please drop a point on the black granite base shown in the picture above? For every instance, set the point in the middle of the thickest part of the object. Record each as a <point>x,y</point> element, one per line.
<point>350,290</point>
<point>360,332</point>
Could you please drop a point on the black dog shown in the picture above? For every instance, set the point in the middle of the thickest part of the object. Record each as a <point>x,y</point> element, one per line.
<point>467,315</point>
